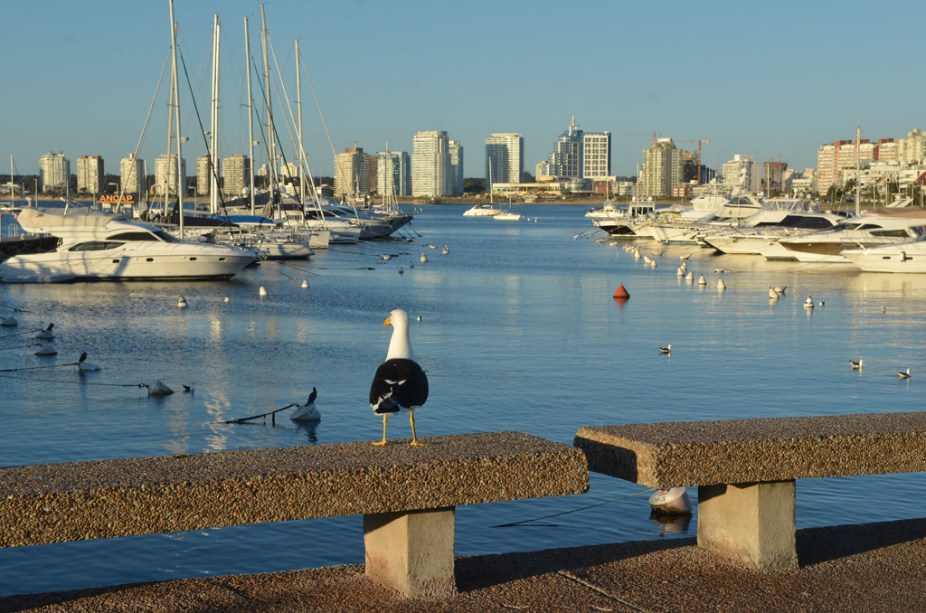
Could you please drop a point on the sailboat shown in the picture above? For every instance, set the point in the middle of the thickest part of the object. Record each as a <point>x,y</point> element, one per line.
<point>484,210</point>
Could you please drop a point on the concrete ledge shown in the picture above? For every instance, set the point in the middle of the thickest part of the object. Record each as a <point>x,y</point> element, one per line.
<point>675,454</point>
<point>50,503</point>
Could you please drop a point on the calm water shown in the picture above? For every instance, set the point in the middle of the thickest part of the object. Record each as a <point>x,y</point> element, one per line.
<point>518,331</point>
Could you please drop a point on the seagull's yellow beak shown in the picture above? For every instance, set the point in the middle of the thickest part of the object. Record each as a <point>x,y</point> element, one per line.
<point>388,322</point>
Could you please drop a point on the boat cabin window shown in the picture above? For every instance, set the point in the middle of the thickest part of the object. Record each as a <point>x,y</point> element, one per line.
<point>143,235</point>
<point>898,233</point>
<point>95,246</point>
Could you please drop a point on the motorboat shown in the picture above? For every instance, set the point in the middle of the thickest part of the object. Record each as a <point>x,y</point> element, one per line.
<point>96,245</point>
<point>482,210</point>
<point>902,257</point>
<point>686,227</point>
<point>862,232</point>
<point>755,234</point>
<point>507,216</point>
<point>627,222</point>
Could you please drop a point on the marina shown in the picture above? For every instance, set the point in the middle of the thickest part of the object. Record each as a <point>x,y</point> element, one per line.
<point>516,328</point>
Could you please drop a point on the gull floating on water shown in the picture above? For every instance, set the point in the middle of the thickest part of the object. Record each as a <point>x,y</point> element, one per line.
<point>857,364</point>
<point>666,350</point>
<point>904,374</point>
<point>808,304</point>
<point>181,304</point>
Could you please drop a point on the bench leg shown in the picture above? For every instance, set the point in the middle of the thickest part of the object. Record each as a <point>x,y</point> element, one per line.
<point>411,552</point>
<point>749,522</point>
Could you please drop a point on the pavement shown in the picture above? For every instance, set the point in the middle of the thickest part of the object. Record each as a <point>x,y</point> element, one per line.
<point>871,567</point>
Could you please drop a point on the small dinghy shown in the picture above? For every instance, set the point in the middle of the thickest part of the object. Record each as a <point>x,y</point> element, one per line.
<point>673,501</point>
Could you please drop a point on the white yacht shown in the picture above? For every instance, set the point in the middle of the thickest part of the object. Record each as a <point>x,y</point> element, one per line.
<point>482,210</point>
<point>902,257</point>
<point>754,235</point>
<point>688,226</point>
<point>857,233</point>
<point>95,245</point>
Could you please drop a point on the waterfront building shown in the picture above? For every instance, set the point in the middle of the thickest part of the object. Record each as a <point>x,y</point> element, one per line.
<point>351,173</point>
<point>165,174</point>
<point>203,175</point>
<point>455,151</point>
<point>54,171</point>
<point>393,173</point>
<point>834,159</point>
<point>431,170</point>
<point>505,157</point>
<point>132,175</point>
<point>661,168</point>
<point>912,150</point>
<point>739,174</point>
<point>566,159</point>
<point>596,156</point>
<point>89,174</point>
<point>236,175</point>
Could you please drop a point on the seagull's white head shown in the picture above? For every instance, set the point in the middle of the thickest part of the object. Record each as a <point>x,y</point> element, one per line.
<point>399,346</point>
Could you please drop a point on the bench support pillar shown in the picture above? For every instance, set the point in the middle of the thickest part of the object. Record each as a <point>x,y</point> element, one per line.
<point>750,522</point>
<point>411,552</point>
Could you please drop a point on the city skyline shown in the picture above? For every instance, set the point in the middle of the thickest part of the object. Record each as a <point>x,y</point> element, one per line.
<point>770,84</point>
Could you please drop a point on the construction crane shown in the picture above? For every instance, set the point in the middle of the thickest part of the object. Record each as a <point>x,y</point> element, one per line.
<point>700,141</point>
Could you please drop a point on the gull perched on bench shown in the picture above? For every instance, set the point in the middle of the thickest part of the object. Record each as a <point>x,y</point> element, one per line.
<point>399,383</point>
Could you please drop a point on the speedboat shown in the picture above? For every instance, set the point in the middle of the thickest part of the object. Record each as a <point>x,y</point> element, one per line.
<point>903,257</point>
<point>482,210</point>
<point>857,233</point>
<point>95,245</point>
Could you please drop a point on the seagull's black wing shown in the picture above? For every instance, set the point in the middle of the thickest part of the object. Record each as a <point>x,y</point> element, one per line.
<point>398,384</point>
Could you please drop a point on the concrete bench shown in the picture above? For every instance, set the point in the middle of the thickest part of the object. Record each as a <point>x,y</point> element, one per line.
<point>406,494</point>
<point>745,469</point>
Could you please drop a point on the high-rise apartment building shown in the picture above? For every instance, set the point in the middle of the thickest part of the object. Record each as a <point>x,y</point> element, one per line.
<point>504,157</point>
<point>739,173</point>
<point>351,173</point>
<point>912,150</point>
<point>566,158</point>
<point>89,174</point>
<point>596,155</point>
<point>834,159</point>
<point>236,175</point>
<point>54,171</point>
<point>132,175</point>
<point>661,168</point>
<point>455,151</point>
<point>165,174</point>
<point>203,175</point>
<point>393,174</point>
<point>431,172</point>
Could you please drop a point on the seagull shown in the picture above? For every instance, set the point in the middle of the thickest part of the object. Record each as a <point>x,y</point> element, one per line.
<point>399,383</point>
<point>84,366</point>
<point>307,411</point>
<point>181,304</point>
<point>445,250</point>
<point>424,259</point>
<point>904,374</point>
<point>808,304</point>
<point>187,388</point>
<point>857,364</point>
<point>685,257</point>
<point>666,350</point>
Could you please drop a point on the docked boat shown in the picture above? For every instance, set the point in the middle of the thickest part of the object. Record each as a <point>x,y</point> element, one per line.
<point>862,232</point>
<point>688,226</point>
<point>100,246</point>
<point>900,258</point>
<point>756,234</point>
<point>482,210</point>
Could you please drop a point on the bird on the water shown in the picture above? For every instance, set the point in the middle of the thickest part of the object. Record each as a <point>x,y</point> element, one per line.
<point>307,411</point>
<point>399,383</point>
<point>857,364</point>
<point>84,366</point>
<point>904,374</point>
<point>666,350</point>
<point>182,304</point>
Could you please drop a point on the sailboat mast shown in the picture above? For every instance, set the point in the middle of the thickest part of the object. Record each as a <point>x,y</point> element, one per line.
<point>176,110</point>
<point>271,148</point>
<point>214,134</point>
<point>299,124</point>
<point>247,65</point>
<point>858,178</point>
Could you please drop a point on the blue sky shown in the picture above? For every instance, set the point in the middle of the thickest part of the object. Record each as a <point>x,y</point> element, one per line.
<point>770,80</point>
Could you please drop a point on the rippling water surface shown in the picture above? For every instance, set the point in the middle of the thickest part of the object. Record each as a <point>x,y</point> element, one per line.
<point>518,331</point>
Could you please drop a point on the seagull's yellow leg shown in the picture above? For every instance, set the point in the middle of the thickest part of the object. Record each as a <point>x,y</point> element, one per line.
<point>411,419</point>
<point>382,442</point>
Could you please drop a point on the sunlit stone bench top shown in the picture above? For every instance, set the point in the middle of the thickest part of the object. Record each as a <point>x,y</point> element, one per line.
<point>756,450</point>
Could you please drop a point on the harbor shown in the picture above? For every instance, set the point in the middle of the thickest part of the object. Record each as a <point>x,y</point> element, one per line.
<point>517,329</point>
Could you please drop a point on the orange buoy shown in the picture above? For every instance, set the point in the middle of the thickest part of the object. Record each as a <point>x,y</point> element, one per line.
<point>621,293</point>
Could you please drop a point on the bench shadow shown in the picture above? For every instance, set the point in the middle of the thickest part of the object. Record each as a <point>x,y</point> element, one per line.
<point>483,571</point>
<point>818,545</point>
